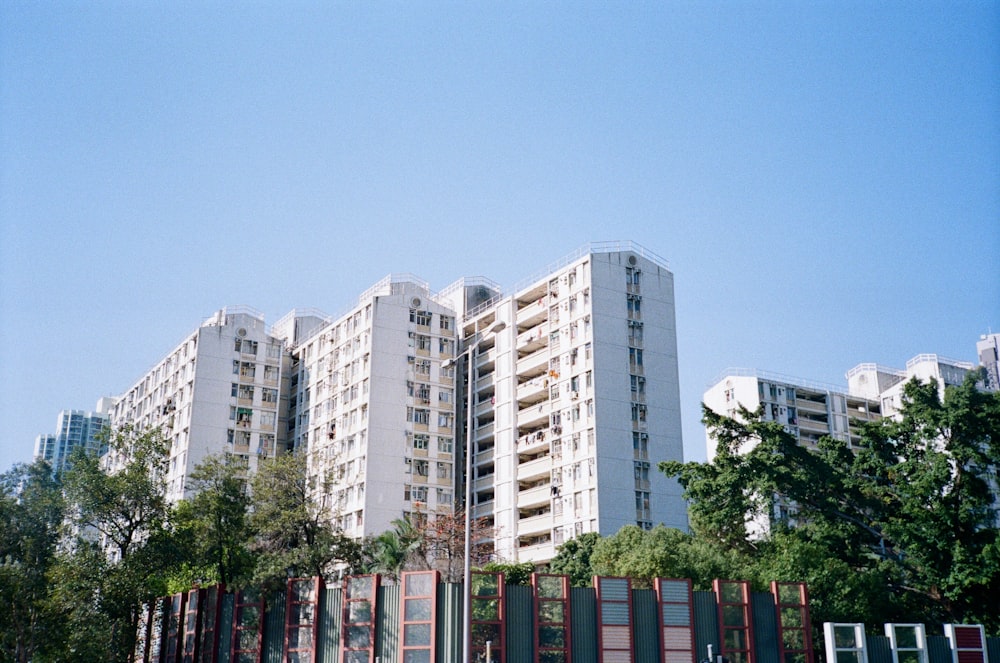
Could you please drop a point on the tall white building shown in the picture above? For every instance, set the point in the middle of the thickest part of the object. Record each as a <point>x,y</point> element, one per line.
<point>575,401</point>
<point>373,406</point>
<point>219,391</point>
<point>75,429</point>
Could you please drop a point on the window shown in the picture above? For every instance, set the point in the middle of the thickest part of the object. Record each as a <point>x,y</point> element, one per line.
<point>269,395</point>
<point>243,416</point>
<point>423,367</point>
<point>267,419</point>
<point>446,346</point>
<point>445,445</point>
<point>421,467</point>
<point>444,496</point>
<point>443,470</point>
<point>638,413</point>
<point>420,317</point>
<point>444,420</point>
<point>420,441</point>
<point>246,347</point>
<point>444,396</point>
<point>634,304</point>
<point>423,342</point>
<point>640,445</point>
<point>635,357</point>
<point>418,415</point>
<point>446,322</point>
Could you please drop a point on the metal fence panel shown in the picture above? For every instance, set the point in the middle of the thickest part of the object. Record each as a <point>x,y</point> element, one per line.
<point>583,611</point>
<point>706,624</point>
<point>520,625</point>
<point>328,642</point>
<point>765,628</point>
<point>387,624</point>
<point>646,623</point>
<point>274,629</point>
<point>879,649</point>
<point>449,623</point>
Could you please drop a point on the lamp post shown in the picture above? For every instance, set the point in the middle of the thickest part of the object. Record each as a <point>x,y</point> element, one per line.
<point>471,345</point>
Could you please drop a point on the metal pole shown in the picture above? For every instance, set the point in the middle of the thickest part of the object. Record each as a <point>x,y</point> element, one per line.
<point>467,575</point>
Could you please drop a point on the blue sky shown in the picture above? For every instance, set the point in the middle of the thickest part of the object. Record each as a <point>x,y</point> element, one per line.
<point>823,177</point>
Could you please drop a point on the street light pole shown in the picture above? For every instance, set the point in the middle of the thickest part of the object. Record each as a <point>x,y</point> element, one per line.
<point>468,353</point>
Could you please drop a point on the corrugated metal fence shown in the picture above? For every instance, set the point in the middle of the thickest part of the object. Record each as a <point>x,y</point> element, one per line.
<point>172,636</point>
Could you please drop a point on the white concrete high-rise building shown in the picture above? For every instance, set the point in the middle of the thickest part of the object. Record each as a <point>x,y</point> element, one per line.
<point>219,391</point>
<point>575,400</point>
<point>373,406</point>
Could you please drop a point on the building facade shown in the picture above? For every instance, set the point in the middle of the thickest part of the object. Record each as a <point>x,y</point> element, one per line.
<point>219,391</point>
<point>988,351</point>
<point>575,397</point>
<point>574,400</point>
<point>76,430</point>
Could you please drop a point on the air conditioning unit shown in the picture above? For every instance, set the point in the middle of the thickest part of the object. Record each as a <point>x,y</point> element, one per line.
<point>576,395</point>
<point>632,260</point>
<point>415,302</point>
<point>241,332</point>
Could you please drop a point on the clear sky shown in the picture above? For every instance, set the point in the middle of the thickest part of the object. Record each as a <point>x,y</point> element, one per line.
<point>823,177</point>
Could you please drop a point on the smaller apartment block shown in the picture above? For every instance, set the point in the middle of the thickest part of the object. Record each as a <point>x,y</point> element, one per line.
<point>810,410</point>
<point>219,391</point>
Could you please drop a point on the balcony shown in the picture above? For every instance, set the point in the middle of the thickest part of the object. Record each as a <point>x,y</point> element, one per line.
<point>535,552</point>
<point>534,525</point>
<point>539,467</point>
<point>534,497</point>
<point>534,339</point>
<point>533,441</point>
<point>533,313</point>
<point>533,391</point>
<point>484,432</point>
<point>533,416</point>
<point>534,365</point>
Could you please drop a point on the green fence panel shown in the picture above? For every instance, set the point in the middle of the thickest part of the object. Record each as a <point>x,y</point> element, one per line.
<point>765,628</point>
<point>645,623</point>
<point>706,624</point>
<point>879,649</point>
<point>274,628</point>
<point>583,612</point>
<point>520,624</point>
<point>328,620</point>
<point>449,623</point>
<point>387,624</point>
<point>226,628</point>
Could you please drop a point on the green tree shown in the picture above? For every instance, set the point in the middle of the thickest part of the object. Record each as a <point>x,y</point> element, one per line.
<point>125,508</point>
<point>294,534</point>
<point>908,513</point>
<point>665,553</point>
<point>573,559</point>
<point>389,552</point>
<point>31,515</point>
<point>214,525</point>
<point>514,573</point>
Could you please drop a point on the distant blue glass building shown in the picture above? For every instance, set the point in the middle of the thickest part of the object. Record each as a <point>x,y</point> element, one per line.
<point>75,429</point>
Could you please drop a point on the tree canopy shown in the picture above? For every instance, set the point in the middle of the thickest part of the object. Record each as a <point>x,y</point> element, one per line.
<point>907,519</point>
